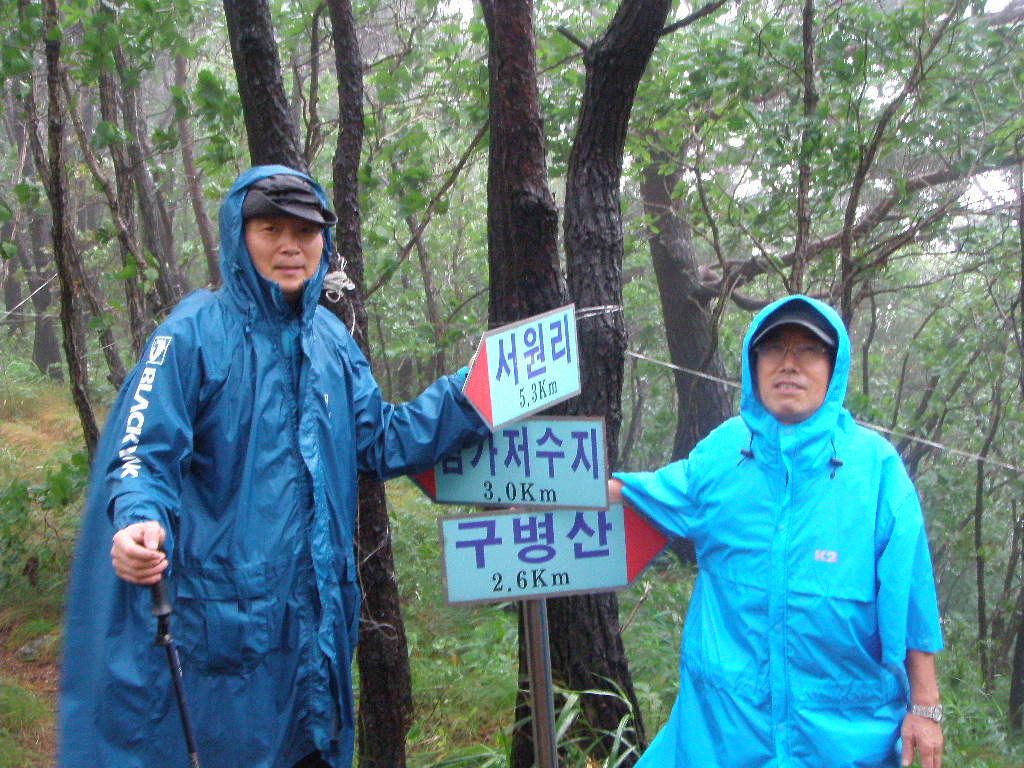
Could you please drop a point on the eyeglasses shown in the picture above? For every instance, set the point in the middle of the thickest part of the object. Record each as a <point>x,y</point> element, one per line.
<point>774,353</point>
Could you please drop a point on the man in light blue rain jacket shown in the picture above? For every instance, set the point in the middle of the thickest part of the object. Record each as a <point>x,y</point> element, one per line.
<point>229,467</point>
<point>810,633</point>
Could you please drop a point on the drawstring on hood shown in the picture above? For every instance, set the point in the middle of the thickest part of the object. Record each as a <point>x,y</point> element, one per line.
<point>835,462</point>
<point>748,452</point>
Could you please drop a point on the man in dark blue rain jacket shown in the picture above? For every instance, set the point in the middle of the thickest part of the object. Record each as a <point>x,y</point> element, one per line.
<point>810,635</point>
<point>229,467</point>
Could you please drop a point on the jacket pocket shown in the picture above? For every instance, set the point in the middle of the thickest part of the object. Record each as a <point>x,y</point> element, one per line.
<point>229,618</point>
<point>833,644</point>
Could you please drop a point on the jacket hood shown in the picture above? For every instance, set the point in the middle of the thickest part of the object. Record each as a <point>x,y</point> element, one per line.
<point>242,282</point>
<point>825,419</point>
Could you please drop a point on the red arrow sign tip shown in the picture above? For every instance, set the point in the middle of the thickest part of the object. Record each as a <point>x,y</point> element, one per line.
<point>643,542</point>
<point>427,481</point>
<point>478,384</point>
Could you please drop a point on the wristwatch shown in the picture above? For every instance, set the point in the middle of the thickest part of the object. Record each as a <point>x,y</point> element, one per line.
<point>932,713</point>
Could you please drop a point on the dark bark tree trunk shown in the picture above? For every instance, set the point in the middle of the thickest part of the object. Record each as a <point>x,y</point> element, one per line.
<point>385,680</point>
<point>35,262</point>
<point>979,548</point>
<point>1016,702</point>
<point>587,650</point>
<point>522,223</point>
<point>810,106</point>
<point>273,136</point>
<point>702,404</point>
<point>68,269</point>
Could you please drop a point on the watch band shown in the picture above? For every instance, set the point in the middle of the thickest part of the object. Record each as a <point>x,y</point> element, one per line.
<point>932,713</point>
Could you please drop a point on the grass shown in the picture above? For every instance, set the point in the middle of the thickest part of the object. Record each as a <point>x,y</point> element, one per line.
<point>24,720</point>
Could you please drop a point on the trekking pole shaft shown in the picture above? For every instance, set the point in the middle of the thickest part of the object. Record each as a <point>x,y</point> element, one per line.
<point>179,692</point>
<point>162,611</point>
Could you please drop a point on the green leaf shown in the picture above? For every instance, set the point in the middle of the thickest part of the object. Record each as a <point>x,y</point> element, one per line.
<point>127,273</point>
<point>108,134</point>
<point>164,140</point>
<point>14,59</point>
<point>27,193</point>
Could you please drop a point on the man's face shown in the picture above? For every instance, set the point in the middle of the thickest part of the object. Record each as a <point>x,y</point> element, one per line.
<point>794,368</point>
<point>285,250</point>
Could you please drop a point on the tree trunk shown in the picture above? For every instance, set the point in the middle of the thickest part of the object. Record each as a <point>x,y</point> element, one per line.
<point>437,357</point>
<point>1016,703</point>
<point>385,680</point>
<point>68,270</point>
<point>171,284</point>
<point>702,404</point>
<point>522,221</point>
<point>273,137</point>
<point>810,106</point>
<point>979,548</point>
<point>193,182</point>
<point>141,315</point>
<point>15,319</point>
<point>587,650</point>
<point>37,267</point>
<point>522,224</point>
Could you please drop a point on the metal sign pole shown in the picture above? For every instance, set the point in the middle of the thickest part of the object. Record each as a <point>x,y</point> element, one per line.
<point>538,660</point>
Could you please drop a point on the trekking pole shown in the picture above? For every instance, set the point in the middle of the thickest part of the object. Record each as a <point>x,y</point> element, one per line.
<point>162,611</point>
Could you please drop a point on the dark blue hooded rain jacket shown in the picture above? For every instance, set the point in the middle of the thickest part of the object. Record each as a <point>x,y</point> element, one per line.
<point>241,430</point>
<point>814,580</point>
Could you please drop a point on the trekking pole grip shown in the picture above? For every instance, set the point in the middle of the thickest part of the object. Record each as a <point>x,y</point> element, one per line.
<point>161,605</point>
<point>162,611</point>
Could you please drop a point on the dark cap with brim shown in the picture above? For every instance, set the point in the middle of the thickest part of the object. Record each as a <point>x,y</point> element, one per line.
<point>284,194</point>
<point>800,313</point>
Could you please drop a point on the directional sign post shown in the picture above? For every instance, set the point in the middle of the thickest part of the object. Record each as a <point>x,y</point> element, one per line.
<point>521,554</point>
<point>525,367</point>
<point>553,463</point>
<point>558,465</point>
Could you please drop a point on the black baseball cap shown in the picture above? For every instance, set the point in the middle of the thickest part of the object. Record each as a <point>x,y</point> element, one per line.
<point>800,313</point>
<point>285,194</point>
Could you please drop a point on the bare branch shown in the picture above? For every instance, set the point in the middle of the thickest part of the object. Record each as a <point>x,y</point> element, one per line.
<point>568,35</point>
<point>700,13</point>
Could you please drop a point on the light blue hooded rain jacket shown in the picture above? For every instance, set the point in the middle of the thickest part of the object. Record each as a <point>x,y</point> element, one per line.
<point>241,430</point>
<point>814,580</point>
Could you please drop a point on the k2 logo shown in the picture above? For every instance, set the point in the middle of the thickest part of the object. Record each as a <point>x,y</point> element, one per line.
<point>158,349</point>
<point>826,555</point>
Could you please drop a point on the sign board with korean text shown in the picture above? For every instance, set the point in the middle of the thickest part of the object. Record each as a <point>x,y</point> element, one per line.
<point>525,367</point>
<point>522,554</point>
<point>554,463</point>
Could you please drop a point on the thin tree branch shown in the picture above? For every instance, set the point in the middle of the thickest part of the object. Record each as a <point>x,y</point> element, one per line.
<point>686,21</point>
<point>453,176</point>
